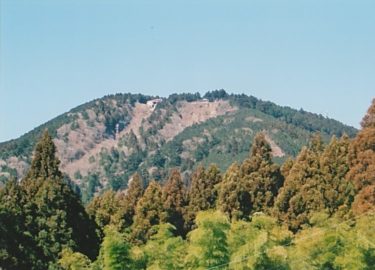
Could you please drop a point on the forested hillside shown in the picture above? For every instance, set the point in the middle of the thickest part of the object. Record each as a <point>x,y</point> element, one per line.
<point>102,143</point>
<point>313,211</point>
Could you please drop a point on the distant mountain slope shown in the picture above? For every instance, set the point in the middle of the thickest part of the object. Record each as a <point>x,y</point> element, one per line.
<point>101,143</point>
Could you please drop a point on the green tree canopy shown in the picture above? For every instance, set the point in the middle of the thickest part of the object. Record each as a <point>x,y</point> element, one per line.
<point>203,191</point>
<point>302,192</point>
<point>149,212</point>
<point>128,202</point>
<point>208,245</point>
<point>261,178</point>
<point>164,251</point>
<point>174,203</point>
<point>252,186</point>
<point>44,163</point>
<point>52,215</point>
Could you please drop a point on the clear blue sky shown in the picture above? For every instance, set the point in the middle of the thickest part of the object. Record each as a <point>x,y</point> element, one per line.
<point>55,55</point>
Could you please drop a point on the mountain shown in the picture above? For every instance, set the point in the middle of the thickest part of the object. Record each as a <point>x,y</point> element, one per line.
<point>103,142</point>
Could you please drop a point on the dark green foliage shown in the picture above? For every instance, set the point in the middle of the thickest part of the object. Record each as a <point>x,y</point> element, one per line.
<point>44,164</point>
<point>51,216</point>
<point>149,212</point>
<point>158,159</point>
<point>18,250</point>
<point>92,183</point>
<point>174,98</point>
<point>203,192</point>
<point>301,118</point>
<point>174,201</point>
<point>216,94</point>
<point>61,220</point>
<point>117,167</point>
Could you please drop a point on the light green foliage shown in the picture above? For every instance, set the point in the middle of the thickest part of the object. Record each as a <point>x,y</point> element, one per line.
<point>115,251</point>
<point>335,244</point>
<point>259,244</point>
<point>208,245</point>
<point>164,251</point>
<point>73,260</point>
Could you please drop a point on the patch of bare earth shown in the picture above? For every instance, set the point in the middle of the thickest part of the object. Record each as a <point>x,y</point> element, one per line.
<point>14,163</point>
<point>83,164</point>
<point>190,113</point>
<point>253,119</point>
<point>276,150</point>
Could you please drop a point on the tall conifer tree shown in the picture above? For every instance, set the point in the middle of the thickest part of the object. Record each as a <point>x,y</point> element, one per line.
<point>54,214</point>
<point>254,185</point>
<point>302,192</point>
<point>128,202</point>
<point>338,192</point>
<point>232,194</point>
<point>149,212</point>
<point>261,178</point>
<point>174,201</point>
<point>203,191</point>
<point>104,208</point>
<point>44,164</point>
<point>362,164</point>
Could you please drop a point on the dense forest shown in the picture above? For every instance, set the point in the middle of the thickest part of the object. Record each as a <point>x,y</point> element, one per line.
<point>314,211</point>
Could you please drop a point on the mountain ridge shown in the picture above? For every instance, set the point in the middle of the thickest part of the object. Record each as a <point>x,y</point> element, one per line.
<point>102,142</point>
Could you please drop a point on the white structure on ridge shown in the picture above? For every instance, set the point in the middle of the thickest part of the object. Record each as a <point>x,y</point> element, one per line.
<point>153,102</point>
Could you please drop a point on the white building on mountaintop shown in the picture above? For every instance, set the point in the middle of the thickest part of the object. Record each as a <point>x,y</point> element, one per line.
<point>153,102</point>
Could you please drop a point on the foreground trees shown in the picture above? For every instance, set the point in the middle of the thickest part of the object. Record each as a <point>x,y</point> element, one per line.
<point>252,186</point>
<point>43,216</point>
<point>362,164</point>
<point>261,243</point>
<point>149,212</point>
<point>316,182</point>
